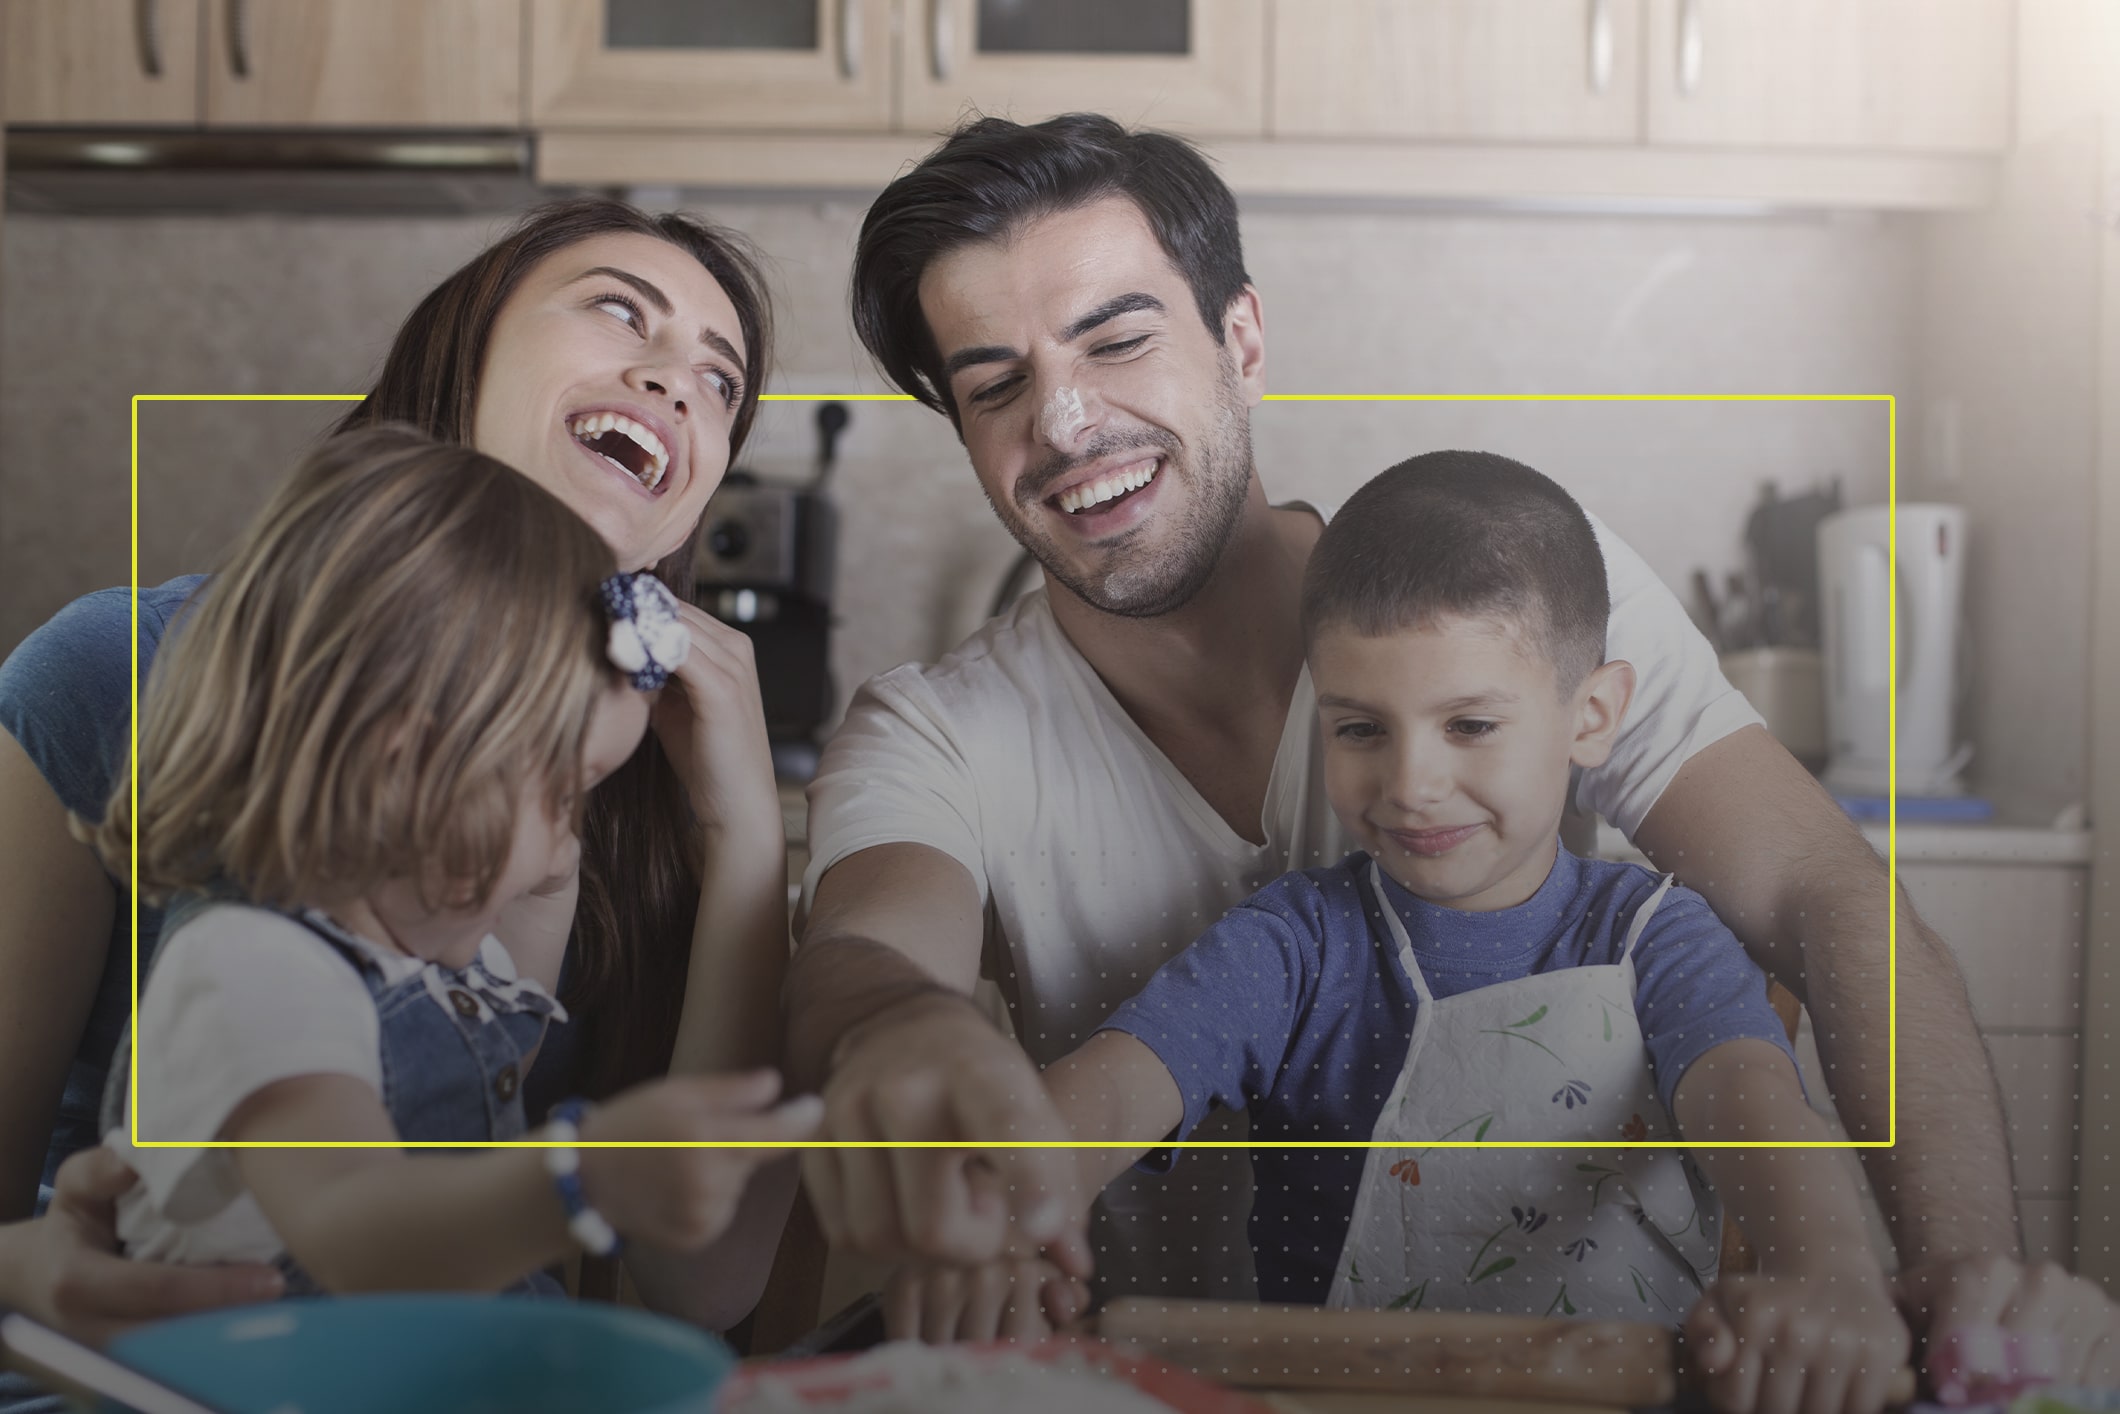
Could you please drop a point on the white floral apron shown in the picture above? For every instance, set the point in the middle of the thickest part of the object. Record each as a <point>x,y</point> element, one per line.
<point>1615,1234</point>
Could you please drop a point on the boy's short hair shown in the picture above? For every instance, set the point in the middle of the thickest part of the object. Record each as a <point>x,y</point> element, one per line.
<point>1467,533</point>
<point>405,633</point>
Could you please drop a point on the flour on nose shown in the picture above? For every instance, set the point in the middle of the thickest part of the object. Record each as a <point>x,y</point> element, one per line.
<point>1063,417</point>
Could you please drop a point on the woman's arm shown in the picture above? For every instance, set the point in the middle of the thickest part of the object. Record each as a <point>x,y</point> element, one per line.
<point>711,720</point>
<point>53,933</point>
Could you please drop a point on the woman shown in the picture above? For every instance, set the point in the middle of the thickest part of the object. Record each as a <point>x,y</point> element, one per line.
<point>615,358</point>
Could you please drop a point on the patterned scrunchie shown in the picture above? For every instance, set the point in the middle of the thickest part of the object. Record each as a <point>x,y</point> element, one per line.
<point>648,638</point>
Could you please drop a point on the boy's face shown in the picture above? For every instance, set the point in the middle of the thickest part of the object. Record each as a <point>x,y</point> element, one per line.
<point>1447,750</point>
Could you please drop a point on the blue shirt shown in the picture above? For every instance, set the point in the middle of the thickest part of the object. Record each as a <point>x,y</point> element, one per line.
<point>66,697</point>
<point>1293,1006</point>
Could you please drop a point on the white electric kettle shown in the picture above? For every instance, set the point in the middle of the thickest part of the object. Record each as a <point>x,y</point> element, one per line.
<point>1857,623</point>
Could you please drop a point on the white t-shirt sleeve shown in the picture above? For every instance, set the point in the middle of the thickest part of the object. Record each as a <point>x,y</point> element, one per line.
<point>1681,703</point>
<point>894,773</point>
<point>240,998</point>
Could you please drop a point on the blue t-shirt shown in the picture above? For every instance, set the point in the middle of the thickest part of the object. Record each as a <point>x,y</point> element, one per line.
<point>1293,1006</point>
<point>66,697</point>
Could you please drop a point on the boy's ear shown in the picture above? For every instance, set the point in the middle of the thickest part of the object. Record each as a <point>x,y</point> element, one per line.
<point>1600,707</point>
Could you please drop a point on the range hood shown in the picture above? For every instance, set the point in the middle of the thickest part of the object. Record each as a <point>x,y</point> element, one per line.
<point>159,171</point>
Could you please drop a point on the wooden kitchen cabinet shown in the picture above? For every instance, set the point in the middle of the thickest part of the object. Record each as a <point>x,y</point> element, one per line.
<point>130,63</point>
<point>1478,70</point>
<point>1879,76</point>
<point>787,65</point>
<point>1196,66</point>
<point>364,63</point>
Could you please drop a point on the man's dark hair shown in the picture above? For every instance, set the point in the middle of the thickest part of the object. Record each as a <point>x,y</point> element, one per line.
<point>991,178</point>
<point>1467,533</point>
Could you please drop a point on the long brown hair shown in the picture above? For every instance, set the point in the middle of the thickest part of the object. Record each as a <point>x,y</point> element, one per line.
<point>405,633</point>
<point>641,848</point>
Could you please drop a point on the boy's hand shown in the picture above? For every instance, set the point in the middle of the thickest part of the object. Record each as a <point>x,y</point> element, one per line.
<point>684,1198</point>
<point>1006,1300</point>
<point>1780,1345</point>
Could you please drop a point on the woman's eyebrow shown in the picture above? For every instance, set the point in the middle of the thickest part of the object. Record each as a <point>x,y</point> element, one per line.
<point>653,294</point>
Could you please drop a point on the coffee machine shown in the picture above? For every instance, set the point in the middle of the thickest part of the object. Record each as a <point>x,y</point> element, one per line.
<point>766,562</point>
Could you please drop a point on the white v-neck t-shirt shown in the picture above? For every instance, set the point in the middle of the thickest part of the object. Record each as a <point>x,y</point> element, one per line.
<point>1097,861</point>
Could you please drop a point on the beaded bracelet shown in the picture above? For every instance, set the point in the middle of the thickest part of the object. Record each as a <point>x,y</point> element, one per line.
<point>590,1228</point>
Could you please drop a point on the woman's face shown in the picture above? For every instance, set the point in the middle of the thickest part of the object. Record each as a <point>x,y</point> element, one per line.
<point>612,379</point>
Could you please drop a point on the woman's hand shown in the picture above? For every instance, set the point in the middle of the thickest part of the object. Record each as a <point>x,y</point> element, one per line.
<point>712,722</point>
<point>65,1270</point>
<point>1026,1299</point>
<point>1783,1344</point>
<point>683,1198</point>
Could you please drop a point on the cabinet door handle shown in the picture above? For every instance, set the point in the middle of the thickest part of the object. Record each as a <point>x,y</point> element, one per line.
<point>942,37</point>
<point>1689,46</point>
<point>850,38</point>
<point>239,38</point>
<point>147,37</point>
<point>1600,45</point>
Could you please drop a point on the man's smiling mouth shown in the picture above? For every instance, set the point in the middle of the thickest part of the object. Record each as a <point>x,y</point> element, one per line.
<point>1116,486</point>
<point>628,446</point>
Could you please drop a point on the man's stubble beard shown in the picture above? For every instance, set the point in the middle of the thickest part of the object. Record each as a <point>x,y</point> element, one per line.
<point>1149,586</point>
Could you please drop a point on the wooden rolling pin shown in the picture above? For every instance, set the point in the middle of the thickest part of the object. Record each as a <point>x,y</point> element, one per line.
<point>1628,1363</point>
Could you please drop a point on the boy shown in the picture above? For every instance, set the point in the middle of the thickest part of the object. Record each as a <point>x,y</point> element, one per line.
<point>1464,977</point>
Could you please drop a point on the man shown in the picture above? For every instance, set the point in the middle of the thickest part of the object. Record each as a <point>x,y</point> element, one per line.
<point>1094,777</point>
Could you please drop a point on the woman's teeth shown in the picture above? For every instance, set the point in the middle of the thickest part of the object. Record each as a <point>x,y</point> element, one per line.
<point>1081,498</point>
<point>608,434</point>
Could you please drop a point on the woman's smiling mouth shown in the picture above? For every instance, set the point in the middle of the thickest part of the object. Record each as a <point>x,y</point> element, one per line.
<point>624,443</point>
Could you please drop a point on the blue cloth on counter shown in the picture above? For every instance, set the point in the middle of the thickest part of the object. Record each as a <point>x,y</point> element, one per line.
<point>1294,1007</point>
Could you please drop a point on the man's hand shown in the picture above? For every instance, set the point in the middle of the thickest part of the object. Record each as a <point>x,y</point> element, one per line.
<point>1778,1345</point>
<point>1005,1300</point>
<point>2065,1324</point>
<point>65,1270</point>
<point>935,1069</point>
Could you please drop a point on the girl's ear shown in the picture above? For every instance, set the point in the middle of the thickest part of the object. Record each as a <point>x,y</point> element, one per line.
<point>1600,707</point>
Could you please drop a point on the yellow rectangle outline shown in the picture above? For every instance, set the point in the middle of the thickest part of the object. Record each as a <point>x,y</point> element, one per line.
<point>1891,403</point>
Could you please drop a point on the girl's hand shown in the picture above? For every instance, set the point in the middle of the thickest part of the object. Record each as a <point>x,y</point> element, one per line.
<point>65,1269</point>
<point>684,1198</point>
<point>712,722</point>
<point>1006,1300</point>
<point>1781,1344</point>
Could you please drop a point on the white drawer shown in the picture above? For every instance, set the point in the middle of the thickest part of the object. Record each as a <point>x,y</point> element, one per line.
<point>2017,932</point>
<point>2038,1079</point>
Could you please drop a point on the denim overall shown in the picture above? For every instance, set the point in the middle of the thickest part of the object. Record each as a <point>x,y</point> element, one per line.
<point>454,1048</point>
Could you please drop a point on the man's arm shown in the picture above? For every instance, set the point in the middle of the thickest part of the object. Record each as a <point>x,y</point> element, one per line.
<point>880,1020</point>
<point>1816,1328</point>
<point>1790,874</point>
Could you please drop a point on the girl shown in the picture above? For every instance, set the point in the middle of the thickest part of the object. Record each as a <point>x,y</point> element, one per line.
<point>377,730</point>
<point>674,958</point>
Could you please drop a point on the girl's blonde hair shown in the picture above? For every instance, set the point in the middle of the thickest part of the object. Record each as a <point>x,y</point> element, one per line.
<point>407,633</point>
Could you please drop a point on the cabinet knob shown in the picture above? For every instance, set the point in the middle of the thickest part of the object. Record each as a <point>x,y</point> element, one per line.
<point>1689,46</point>
<point>942,37</point>
<point>147,36</point>
<point>239,38</point>
<point>1600,45</point>
<point>850,39</point>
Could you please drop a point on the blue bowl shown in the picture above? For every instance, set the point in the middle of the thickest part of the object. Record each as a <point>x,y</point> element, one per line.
<point>433,1355</point>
